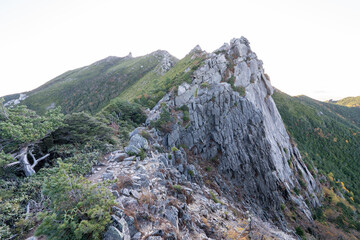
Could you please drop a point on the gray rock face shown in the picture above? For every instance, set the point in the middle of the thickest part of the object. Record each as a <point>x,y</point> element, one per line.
<point>167,61</point>
<point>17,101</point>
<point>117,156</point>
<point>108,176</point>
<point>113,234</point>
<point>245,133</point>
<point>136,143</point>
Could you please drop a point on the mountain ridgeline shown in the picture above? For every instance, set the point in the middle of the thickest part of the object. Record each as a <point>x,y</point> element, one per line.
<point>92,87</point>
<point>348,102</point>
<point>200,148</point>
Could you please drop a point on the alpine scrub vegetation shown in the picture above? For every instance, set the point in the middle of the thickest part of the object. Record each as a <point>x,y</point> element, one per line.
<point>31,145</point>
<point>327,137</point>
<point>22,130</point>
<point>92,87</point>
<point>349,102</point>
<point>76,208</point>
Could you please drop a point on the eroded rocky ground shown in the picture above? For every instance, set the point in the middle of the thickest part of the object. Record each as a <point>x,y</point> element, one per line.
<point>164,197</point>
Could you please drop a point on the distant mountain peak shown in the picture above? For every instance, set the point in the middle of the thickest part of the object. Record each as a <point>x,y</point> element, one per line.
<point>166,63</point>
<point>109,59</point>
<point>196,49</point>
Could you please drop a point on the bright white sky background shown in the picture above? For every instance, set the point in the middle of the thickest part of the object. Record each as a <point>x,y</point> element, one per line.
<point>309,47</point>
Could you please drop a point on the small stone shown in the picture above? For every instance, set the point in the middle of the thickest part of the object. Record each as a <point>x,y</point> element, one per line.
<point>154,238</point>
<point>132,158</point>
<point>132,149</point>
<point>125,229</point>
<point>31,238</point>
<point>125,191</point>
<point>118,211</point>
<point>171,214</point>
<point>137,236</point>
<point>157,232</point>
<point>135,194</point>
<point>204,213</point>
<point>107,176</point>
<point>120,156</point>
<point>170,236</point>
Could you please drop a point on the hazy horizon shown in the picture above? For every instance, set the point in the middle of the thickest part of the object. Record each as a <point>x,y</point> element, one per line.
<point>308,48</point>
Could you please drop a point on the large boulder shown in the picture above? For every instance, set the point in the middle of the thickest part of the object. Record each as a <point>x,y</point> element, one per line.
<point>136,143</point>
<point>113,234</point>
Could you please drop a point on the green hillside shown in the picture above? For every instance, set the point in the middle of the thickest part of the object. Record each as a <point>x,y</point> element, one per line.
<point>328,136</point>
<point>150,89</point>
<point>91,88</point>
<point>349,102</point>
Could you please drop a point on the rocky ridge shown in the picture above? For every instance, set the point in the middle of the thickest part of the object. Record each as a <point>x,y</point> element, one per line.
<point>225,171</point>
<point>234,120</point>
<point>163,197</point>
<point>167,61</point>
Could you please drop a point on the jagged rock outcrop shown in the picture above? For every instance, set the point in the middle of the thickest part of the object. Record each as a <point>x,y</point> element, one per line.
<point>234,120</point>
<point>163,197</point>
<point>22,97</point>
<point>167,61</point>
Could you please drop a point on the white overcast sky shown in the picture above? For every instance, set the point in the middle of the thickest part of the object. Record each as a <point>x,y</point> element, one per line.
<point>309,47</point>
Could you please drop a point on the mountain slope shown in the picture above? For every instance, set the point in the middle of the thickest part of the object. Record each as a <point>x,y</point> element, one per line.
<point>90,88</point>
<point>349,102</point>
<point>327,135</point>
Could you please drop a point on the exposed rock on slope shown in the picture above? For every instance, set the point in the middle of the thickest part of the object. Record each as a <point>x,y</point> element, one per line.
<point>163,197</point>
<point>234,120</point>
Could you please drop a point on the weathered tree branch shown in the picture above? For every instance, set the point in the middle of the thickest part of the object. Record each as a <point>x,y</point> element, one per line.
<point>36,161</point>
<point>27,211</point>
<point>12,164</point>
<point>25,162</point>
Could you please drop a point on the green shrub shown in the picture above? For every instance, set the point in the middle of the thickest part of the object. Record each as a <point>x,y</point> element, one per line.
<point>282,207</point>
<point>142,154</point>
<point>164,122</point>
<point>242,91</point>
<point>118,111</point>
<point>299,231</point>
<point>239,89</point>
<point>302,184</point>
<point>214,198</point>
<point>205,85</point>
<point>174,149</point>
<point>186,117</point>
<point>285,150</point>
<point>318,214</point>
<point>77,209</point>
<point>185,111</point>
<point>177,188</point>
<point>84,129</point>
<point>146,135</point>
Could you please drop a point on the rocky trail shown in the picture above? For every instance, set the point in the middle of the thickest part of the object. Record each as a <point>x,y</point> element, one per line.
<point>164,197</point>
